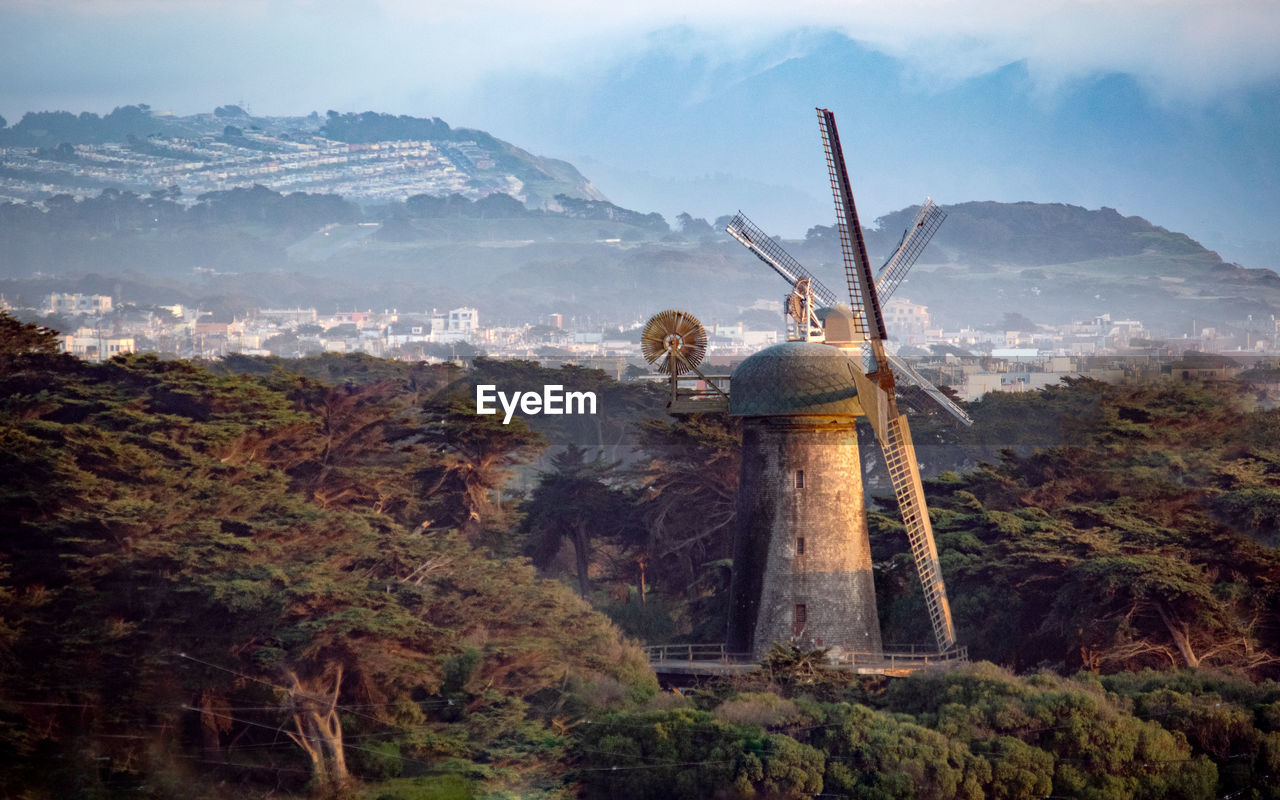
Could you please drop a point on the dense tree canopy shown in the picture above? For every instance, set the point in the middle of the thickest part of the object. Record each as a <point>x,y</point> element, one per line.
<point>1117,543</point>
<point>286,574</point>
<point>975,732</point>
<point>192,561</point>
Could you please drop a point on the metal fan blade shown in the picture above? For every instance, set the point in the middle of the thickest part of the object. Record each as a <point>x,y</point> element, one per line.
<point>780,261</point>
<point>653,336</point>
<point>914,241</point>
<point>853,248</point>
<point>795,307</point>
<point>674,341</point>
<point>904,474</point>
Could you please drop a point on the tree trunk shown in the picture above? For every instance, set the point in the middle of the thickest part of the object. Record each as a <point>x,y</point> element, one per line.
<point>215,720</point>
<point>318,731</point>
<point>580,554</point>
<point>1178,630</point>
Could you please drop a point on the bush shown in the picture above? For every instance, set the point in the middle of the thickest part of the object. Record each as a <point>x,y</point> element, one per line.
<point>375,760</point>
<point>759,709</point>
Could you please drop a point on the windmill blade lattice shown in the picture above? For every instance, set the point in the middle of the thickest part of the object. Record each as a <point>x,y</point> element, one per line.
<point>763,246</point>
<point>904,473</point>
<point>914,241</point>
<point>895,443</point>
<point>675,341</point>
<point>853,248</point>
<point>909,375</point>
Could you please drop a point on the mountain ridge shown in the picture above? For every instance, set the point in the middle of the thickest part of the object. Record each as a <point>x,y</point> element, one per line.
<point>1029,256</point>
<point>134,149</point>
<point>467,239</point>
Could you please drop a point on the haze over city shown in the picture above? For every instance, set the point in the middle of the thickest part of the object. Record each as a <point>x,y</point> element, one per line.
<point>1163,109</point>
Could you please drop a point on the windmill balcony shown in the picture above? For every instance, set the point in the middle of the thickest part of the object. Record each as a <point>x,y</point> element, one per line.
<point>714,659</point>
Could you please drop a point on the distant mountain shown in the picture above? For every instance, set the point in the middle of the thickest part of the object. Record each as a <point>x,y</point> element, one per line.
<point>367,157</point>
<point>240,210</point>
<point>1056,263</point>
<point>1036,234</point>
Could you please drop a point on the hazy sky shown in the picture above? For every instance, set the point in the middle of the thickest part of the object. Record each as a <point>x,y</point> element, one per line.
<point>1168,109</point>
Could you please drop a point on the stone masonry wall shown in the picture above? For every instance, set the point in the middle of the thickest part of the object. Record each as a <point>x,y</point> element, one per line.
<point>832,577</point>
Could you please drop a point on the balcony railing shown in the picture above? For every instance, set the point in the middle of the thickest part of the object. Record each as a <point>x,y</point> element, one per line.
<point>693,394</point>
<point>891,657</point>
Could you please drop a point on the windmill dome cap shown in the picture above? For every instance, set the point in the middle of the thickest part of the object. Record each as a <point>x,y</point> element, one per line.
<point>794,378</point>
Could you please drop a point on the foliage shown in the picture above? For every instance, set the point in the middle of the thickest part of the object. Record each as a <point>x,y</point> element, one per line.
<point>198,563</point>
<point>373,127</point>
<point>176,589</point>
<point>21,338</point>
<point>449,786</point>
<point>875,755</point>
<point>1097,748</point>
<point>264,206</point>
<point>604,210</point>
<point>689,485</point>
<point>975,732</point>
<point>473,457</point>
<point>49,127</point>
<point>574,502</point>
<point>789,664</point>
<point>689,755</point>
<point>1121,545</point>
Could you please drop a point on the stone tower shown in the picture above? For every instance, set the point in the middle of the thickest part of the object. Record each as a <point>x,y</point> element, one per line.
<point>802,558</point>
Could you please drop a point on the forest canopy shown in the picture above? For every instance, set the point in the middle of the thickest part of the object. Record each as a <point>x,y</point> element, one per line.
<point>328,575</point>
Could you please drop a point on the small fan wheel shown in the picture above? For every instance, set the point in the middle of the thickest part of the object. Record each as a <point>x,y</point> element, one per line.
<point>674,341</point>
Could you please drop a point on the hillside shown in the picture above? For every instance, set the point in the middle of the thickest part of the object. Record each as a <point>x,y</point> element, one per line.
<point>1056,263</point>
<point>368,157</point>
<point>583,258</point>
<point>229,211</point>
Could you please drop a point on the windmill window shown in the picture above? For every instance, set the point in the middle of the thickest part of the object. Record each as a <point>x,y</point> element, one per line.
<point>799,479</point>
<point>798,621</point>
<point>800,546</point>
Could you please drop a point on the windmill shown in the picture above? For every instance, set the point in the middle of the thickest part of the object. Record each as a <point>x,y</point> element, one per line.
<point>802,569</point>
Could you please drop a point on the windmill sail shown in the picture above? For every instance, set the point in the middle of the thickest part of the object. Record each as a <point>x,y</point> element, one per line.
<point>853,247</point>
<point>780,261</point>
<point>894,435</point>
<point>904,474</point>
<point>914,241</point>
<point>907,372</point>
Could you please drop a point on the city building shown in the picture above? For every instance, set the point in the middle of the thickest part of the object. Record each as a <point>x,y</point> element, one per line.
<point>93,345</point>
<point>906,318</point>
<point>77,304</point>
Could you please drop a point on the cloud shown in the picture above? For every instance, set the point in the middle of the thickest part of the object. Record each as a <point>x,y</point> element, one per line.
<point>560,76</point>
<point>1192,48</point>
